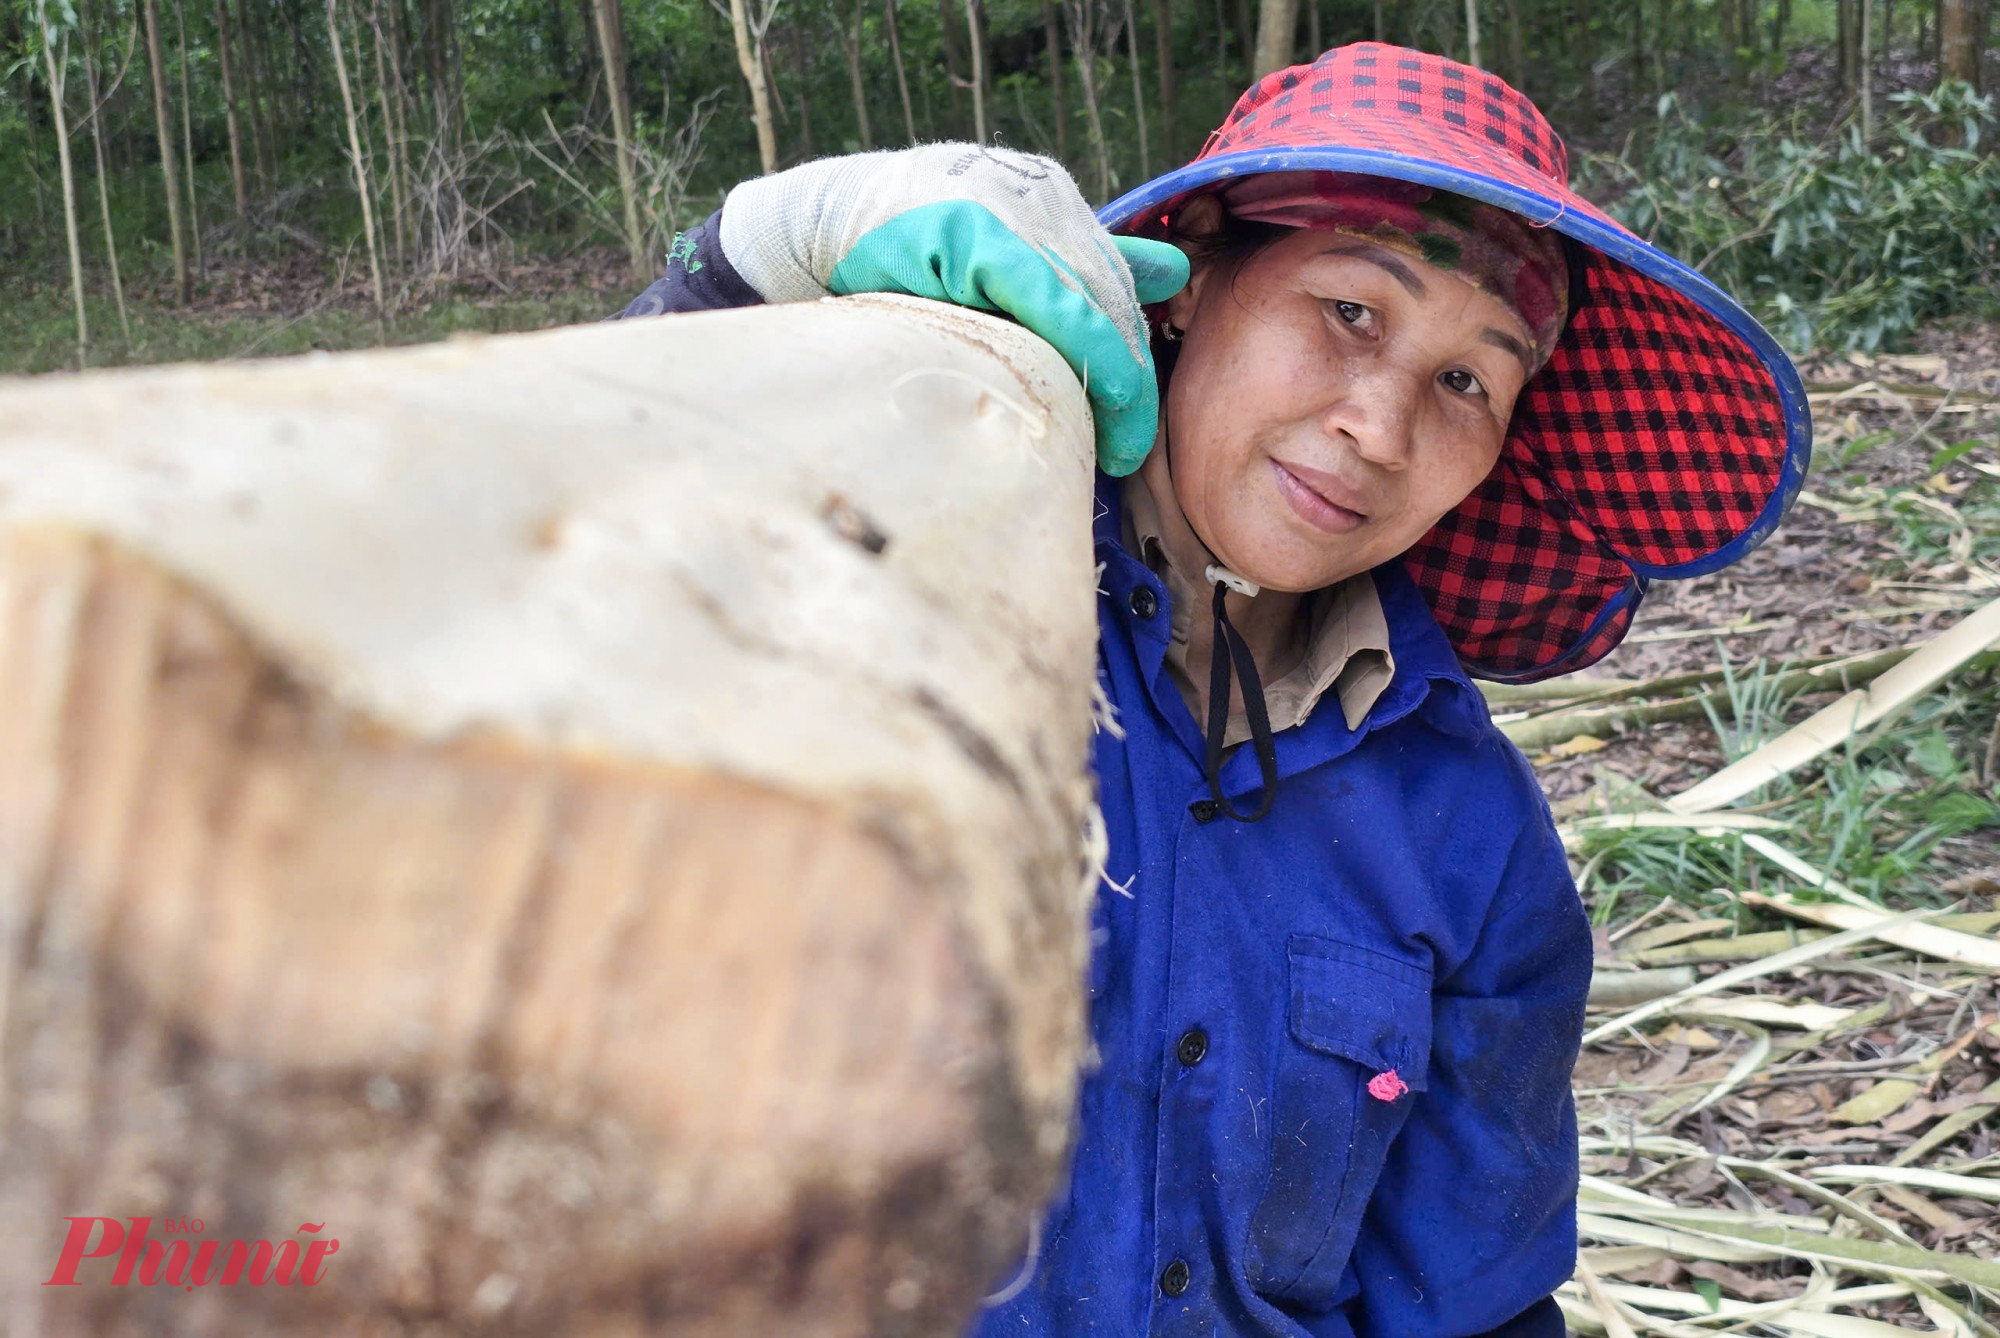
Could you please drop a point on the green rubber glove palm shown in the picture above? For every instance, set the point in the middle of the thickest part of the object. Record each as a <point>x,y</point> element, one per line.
<point>977,227</point>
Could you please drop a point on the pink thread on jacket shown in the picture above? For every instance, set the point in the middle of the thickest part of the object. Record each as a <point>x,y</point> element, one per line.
<point>1387,1086</point>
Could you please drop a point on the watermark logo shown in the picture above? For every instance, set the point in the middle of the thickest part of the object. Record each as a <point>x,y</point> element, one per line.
<point>208,1263</point>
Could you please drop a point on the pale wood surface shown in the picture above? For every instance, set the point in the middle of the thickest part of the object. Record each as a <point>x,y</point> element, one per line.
<point>535,838</point>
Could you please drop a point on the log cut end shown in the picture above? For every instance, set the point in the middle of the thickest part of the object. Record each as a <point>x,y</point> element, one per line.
<point>548,1044</point>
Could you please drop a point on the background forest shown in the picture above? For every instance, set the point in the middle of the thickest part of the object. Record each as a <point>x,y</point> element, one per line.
<point>302,173</point>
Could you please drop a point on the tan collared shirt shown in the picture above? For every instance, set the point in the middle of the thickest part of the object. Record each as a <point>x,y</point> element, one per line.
<point>1341,638</point>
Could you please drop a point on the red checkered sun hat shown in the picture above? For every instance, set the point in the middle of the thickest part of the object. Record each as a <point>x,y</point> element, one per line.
<point>1665,437</point>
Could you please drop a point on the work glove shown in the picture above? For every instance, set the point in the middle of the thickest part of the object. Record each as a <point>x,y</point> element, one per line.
<point>978,227</point>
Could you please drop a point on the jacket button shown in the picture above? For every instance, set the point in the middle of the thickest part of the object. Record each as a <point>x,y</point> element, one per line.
<point>1204,810</point>
<point>1193,1047</point>
<point>1143,603</point>
<point>1175,1277</point>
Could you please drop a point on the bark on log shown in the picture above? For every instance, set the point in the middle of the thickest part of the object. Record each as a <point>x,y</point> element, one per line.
<point>594,819</point>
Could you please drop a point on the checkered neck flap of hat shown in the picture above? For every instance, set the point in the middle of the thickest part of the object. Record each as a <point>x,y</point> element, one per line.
<point>1664,438</point>
<point>1652,444</point>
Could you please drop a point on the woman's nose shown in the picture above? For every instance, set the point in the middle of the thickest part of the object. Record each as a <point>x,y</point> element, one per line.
<point>1378,414</point>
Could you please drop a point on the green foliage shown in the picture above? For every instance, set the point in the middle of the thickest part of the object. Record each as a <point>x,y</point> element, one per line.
<point>1875,814</point>
<point>1838,243</point>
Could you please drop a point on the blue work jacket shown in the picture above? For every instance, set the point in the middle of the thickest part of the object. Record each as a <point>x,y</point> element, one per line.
<point>1335,1045</point>
<point>1245,1164</point>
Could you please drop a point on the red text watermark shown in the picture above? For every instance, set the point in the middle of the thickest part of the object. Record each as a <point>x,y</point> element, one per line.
<point>208,1263</point>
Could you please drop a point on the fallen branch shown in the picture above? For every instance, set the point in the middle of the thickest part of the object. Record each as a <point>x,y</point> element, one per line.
<point>1925,667</point>
<point>1542,731</point>
<point>1931,940</point>
<point>1791,957</point>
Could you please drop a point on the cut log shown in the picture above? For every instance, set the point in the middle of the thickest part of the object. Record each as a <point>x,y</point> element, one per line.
<point>592,821</point>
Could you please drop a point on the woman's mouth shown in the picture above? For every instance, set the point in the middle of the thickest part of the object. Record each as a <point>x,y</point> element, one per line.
<point>1310,499</point>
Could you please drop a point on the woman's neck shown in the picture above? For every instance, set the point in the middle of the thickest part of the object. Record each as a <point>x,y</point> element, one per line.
<point>1264,620</point>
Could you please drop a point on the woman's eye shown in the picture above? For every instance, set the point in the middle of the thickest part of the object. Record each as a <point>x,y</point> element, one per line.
<point>1461,382</point>
<point>1353,313</point>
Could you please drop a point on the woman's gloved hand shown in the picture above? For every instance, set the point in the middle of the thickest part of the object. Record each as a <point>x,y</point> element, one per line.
<point>978,227</point>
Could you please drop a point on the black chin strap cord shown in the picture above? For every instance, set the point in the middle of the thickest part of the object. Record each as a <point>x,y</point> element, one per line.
<point>1229,646</point>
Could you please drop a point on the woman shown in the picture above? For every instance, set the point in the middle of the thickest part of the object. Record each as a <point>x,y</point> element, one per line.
<point>1425,413</point>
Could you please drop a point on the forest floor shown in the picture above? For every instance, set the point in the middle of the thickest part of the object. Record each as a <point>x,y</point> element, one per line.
<point>301,301</point>
<point>1813,1147</point>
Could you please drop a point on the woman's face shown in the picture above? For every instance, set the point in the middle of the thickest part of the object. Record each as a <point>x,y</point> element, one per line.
<point>1333,399</point>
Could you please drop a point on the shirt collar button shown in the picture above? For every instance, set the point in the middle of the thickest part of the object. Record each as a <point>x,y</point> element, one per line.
<point>1143,602</point>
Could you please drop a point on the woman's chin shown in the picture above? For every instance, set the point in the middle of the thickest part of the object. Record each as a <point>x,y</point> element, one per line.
<point>1295,574</point>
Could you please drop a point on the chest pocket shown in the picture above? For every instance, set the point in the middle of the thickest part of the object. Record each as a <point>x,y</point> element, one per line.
<point>1354,1016</point>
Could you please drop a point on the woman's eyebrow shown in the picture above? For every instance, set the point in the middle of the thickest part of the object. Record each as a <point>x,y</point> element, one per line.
<point>1389,261</point>
<point>1501,339</point>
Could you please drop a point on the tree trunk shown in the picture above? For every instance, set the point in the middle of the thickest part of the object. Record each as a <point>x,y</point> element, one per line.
<point>57,82</point>
<point>1052,35</point>
<point>392,136</point>
<point>771,82</point>
<point>439,41</point>
<point>398,35</point>
<point>468,828</point>
<point>229,107</point>
<point>1958,41</point>
<point>1867,77</point>
<point>1163,55</point>
<point>34,138</point>
<point>802,57</point>
<point>1083,27</point>
<point>977,38</point>
<point>849,36</point>
<point>750,61</point>
<point>592,52</point>
<point>298,86</point>
<point>951,48</point>
<point>263,145</point>
<point>187,139</point>
<point>1138,91</point>
<point>93,55</point>
<point>97,100</point>
<point>1277,26</point>
<point>902,76</point>
<point>360,163</point>
<point>1472,33</point>
<point>276,86</point>
<point>610,40</point>
<point>165,135</point>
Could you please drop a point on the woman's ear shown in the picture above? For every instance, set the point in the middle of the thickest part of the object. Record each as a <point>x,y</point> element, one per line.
<point>1197,227</point>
